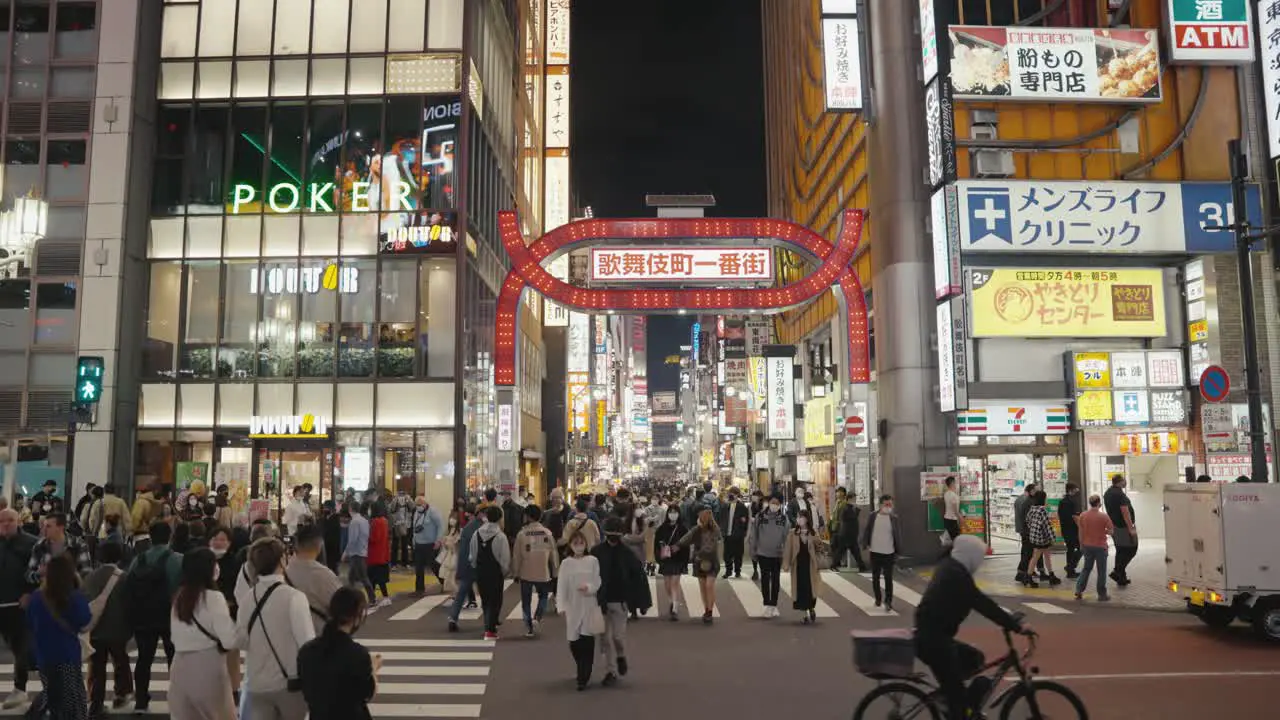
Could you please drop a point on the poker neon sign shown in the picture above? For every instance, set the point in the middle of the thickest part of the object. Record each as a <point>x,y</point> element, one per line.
<point>316,197</point>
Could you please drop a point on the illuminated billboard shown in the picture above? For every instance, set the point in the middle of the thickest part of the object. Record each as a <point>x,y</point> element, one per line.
<point>1062,302</point>
<point>692,264</point>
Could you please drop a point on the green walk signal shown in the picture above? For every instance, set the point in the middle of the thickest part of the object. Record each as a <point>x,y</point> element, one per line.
<point>88,388</point>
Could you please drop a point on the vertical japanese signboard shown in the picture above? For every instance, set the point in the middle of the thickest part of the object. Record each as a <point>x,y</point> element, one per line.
<point>558,32</point>
<point>928,40</point>
<point>945,230</point>
<point>781,400</point>
<point>1209,31</point>
<point>506,428</point>
<point>940,125</point>
<point>842,62</point>
<point>556,121</point>
<point>1269,40</point>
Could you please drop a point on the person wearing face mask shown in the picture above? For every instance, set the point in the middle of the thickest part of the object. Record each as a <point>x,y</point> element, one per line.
<point>223,515</point>
<point>798,503</point>
<point>192,509</point>
<point>448,555</point>
<point>753,509</point>
<point>339,676</point>
<point>228,565</point>
<point>623,585</point>
<point>768,539</point>
<point>883,541</point>
<point>735,518</point>
<point>706,545</point>
<point>673,560</point>
<point>800,558</point>
<point>426,528</point>
<point>200,624</point>
<point>534,562</point>
<point>296,511</point>
<point>576,599</point>
<point>650,515</point>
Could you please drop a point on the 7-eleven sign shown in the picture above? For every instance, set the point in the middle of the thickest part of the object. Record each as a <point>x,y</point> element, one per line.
<point>1029,418</point>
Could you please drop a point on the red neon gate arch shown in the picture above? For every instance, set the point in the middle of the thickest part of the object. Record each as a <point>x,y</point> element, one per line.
<point>834,272</point>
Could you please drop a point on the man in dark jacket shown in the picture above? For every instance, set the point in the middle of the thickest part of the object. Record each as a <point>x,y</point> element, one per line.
<point>952,594</point>
<point>850,520</point>
<point>15,556</point>
<point>465,573</point>
<point>735,518</point>
<point>623,586</point>
<point>512,516</point>
<point>1068,509</point>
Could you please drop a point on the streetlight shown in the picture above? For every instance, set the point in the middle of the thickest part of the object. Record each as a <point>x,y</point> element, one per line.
<point>20,229</point>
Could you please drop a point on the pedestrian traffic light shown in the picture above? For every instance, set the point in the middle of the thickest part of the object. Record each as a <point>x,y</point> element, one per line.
<point>89,372</point>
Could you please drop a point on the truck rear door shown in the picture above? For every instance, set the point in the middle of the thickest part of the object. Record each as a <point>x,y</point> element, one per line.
<point>1250,518</point>
<point>1193,535</point>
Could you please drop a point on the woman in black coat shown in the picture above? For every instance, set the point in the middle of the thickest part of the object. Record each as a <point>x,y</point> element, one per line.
<point>673,559</point>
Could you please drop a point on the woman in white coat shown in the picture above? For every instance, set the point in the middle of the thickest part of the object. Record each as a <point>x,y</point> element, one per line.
<point>576,588</point>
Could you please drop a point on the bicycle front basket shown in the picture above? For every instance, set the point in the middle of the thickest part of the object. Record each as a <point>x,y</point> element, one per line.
<point>883,654</point>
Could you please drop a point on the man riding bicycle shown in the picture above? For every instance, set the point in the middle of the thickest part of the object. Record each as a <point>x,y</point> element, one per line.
<point>952,594</point>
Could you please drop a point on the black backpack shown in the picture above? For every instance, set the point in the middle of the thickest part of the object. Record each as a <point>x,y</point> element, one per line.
<point>486,562</point>
<point>147,593</point>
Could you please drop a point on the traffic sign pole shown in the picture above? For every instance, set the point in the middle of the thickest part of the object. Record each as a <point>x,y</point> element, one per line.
<point>1244,265</point>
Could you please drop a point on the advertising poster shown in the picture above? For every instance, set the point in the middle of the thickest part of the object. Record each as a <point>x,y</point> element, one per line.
<point>1081,65</point>
<point>1044,302</point>
<point>187,474</point>
<point>350,168</point>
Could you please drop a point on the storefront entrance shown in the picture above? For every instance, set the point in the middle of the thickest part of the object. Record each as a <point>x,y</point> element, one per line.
<point>282,465</point>
<point>1004,467</point>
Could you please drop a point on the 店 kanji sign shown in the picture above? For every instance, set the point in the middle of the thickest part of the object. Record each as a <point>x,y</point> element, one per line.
<point>611,265</point>
<point>1209,31</point>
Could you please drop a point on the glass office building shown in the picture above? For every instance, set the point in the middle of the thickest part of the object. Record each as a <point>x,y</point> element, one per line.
<point>317,254</point>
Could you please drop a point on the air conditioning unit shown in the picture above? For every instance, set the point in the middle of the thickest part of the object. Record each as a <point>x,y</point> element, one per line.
<point>993,163</point>
<point>989,163</point>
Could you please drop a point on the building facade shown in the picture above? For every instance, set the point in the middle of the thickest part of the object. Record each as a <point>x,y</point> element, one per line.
<point>987,214</point>
<point>297,276</point>
<point>69,85</point>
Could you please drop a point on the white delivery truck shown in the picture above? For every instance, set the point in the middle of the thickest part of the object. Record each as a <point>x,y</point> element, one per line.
<point>1222,552</point>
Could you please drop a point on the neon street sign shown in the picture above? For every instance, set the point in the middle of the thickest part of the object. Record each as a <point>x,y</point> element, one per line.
<point>681,264</point>
<point>310,280</point>
<point>276,427</point>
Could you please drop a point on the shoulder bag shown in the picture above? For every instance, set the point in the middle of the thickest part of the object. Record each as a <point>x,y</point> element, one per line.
<point>292,684</point>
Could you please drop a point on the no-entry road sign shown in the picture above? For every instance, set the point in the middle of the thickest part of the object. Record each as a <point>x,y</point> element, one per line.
<point>1215,384</point>
<point>854,425</point>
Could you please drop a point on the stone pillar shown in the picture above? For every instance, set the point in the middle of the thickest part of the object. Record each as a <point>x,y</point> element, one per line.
<point>113,291</point>
<point>906,364</point>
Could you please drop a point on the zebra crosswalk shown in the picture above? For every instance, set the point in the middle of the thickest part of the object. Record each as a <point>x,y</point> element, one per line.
<point>424,678</point>
<point>842,595</point>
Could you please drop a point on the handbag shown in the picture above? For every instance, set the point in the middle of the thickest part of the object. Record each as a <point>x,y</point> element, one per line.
<point>594,622</point>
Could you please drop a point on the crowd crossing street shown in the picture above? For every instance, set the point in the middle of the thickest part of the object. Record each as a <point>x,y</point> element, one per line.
<point>420,677</point>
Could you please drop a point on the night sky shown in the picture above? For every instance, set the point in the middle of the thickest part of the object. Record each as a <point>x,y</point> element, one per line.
<point>667,97</point>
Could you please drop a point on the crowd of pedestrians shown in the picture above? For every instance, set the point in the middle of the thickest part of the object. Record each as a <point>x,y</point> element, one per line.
<point>201,587</point>
<point>595,555</point>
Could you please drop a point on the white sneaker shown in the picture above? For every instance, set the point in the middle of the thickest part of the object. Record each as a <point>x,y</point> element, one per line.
<point>15,699</point>
<point>384,602</point>
<point>371,609</point>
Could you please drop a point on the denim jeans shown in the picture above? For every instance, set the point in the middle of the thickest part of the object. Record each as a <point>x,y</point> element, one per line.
<point>460,598</point>
<point>1093,556</point>
<point>527,589</point>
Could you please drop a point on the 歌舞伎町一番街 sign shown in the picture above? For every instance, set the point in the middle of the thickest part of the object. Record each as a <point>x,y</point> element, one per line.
<point>1066,302</point>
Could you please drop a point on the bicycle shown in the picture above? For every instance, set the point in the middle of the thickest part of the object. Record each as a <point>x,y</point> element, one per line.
<point>913,695</point>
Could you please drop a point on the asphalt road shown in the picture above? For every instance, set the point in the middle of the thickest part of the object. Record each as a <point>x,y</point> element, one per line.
<point>1126,664</point>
